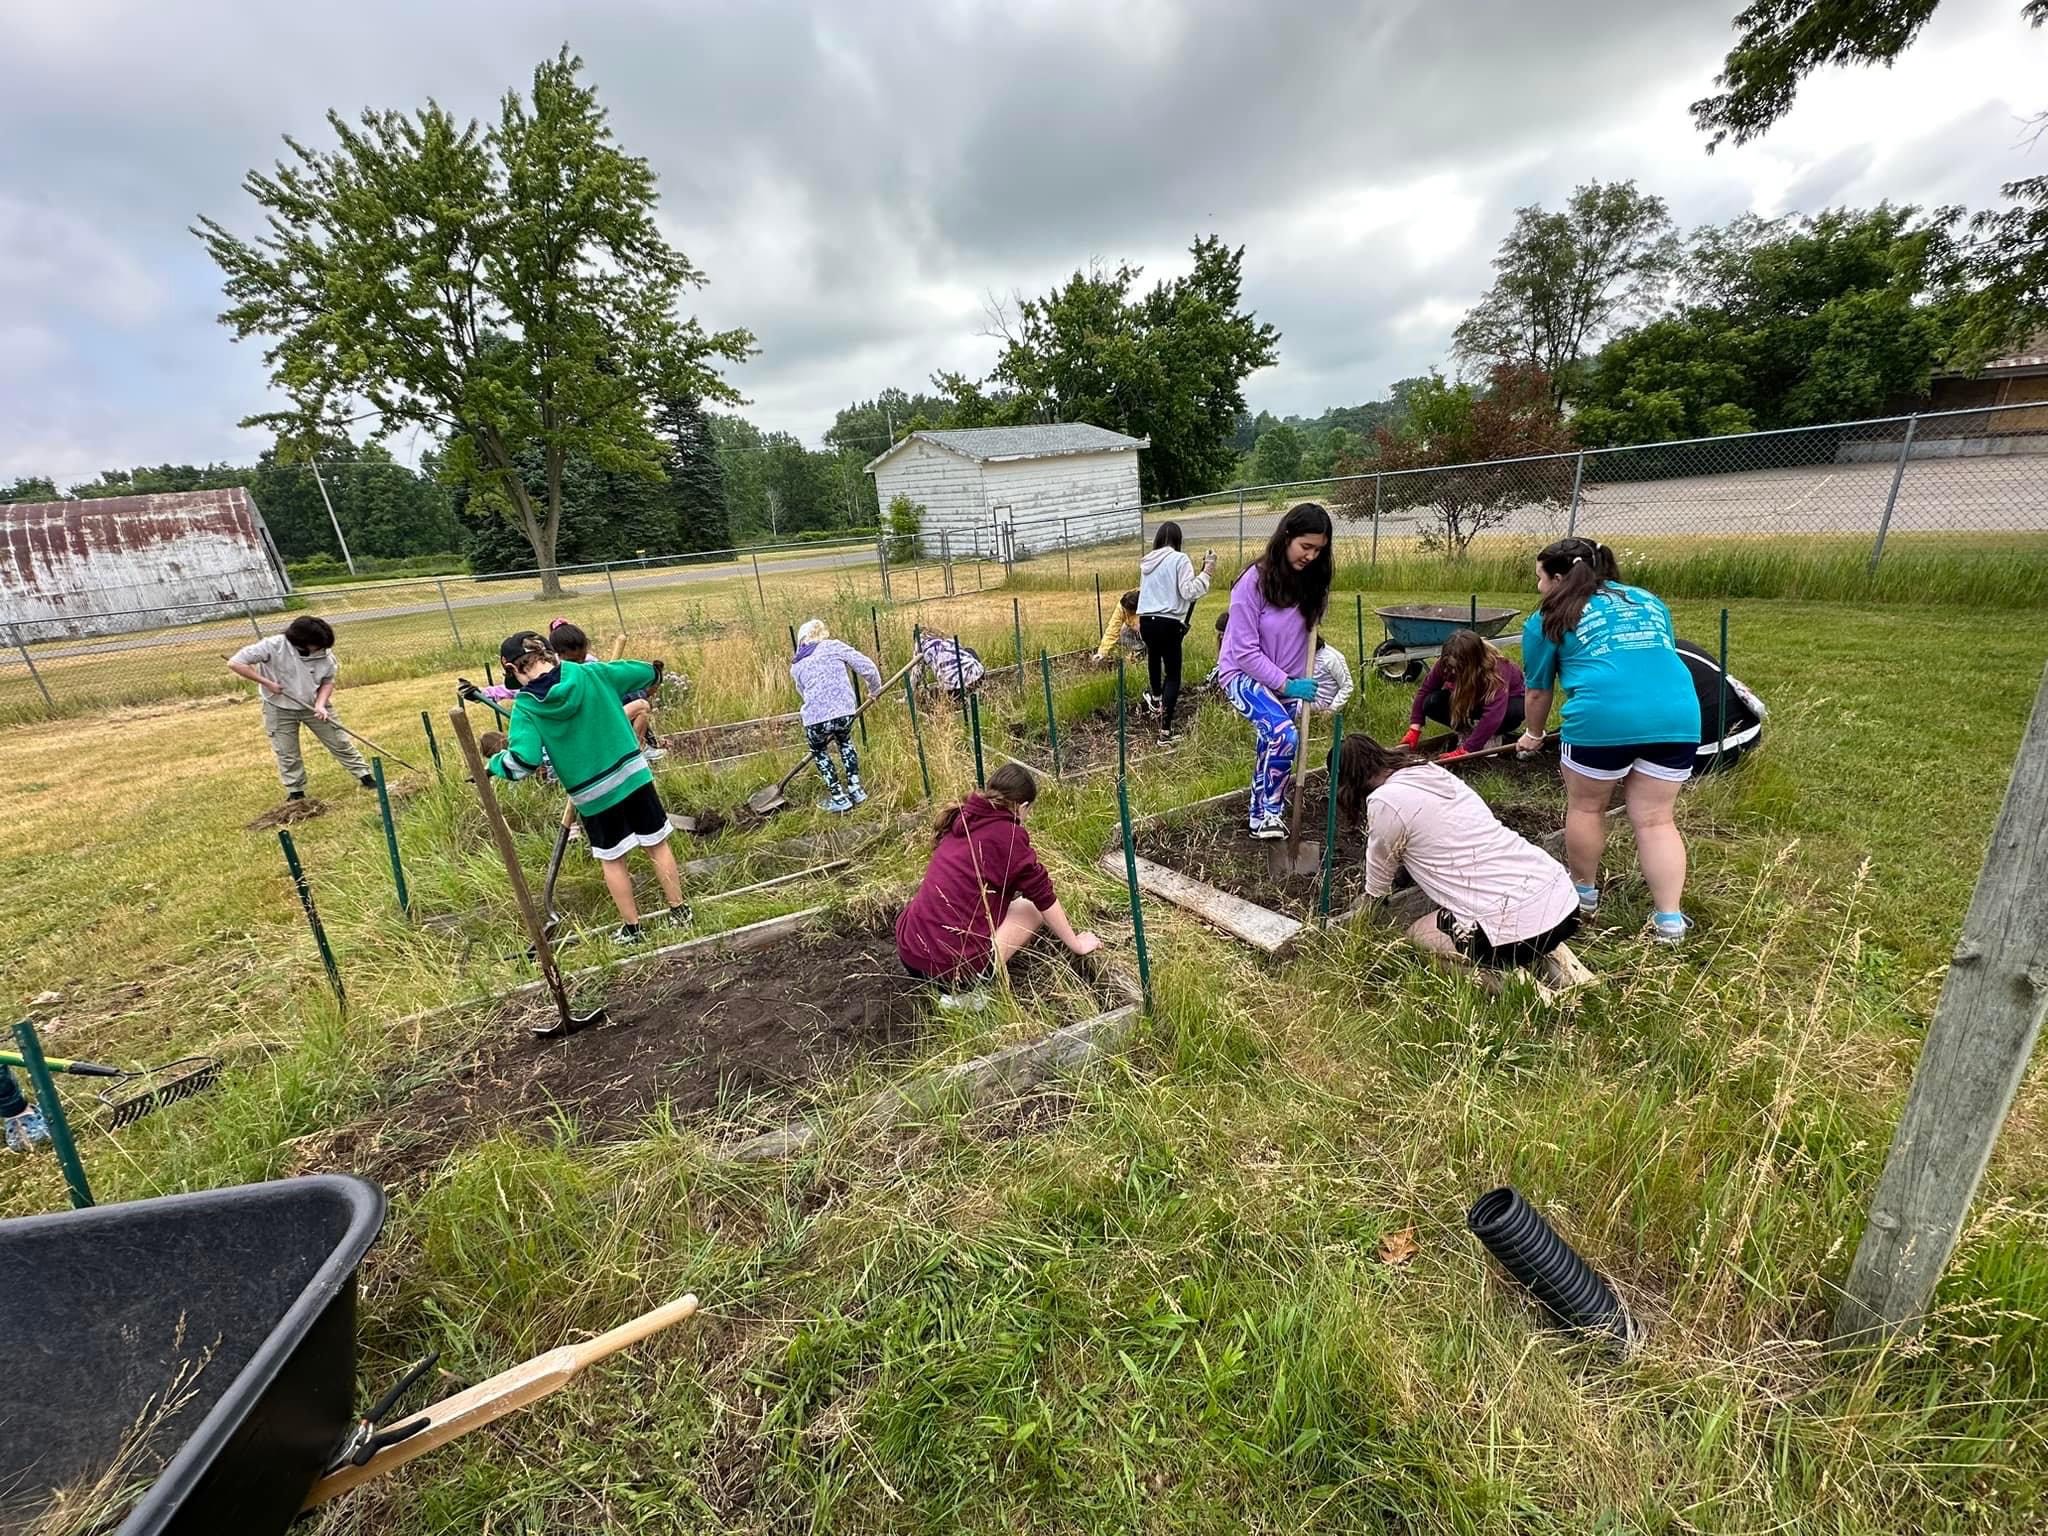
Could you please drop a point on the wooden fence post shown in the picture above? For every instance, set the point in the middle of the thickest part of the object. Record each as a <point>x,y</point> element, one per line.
<point>1976,1051</point>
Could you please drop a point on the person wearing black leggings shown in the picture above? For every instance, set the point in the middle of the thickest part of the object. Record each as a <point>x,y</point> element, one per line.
<point>1168,588</point>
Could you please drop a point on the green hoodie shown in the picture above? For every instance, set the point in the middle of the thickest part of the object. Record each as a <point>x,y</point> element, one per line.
<point>583,730</point>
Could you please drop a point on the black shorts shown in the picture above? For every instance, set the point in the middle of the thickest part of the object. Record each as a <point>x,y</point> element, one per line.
<point>638,821</point>
<point>1475,946</point>
<point>1668,760</point>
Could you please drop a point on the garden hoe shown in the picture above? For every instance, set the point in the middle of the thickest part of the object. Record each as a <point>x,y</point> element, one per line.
<point>766,802</point>
<point>566,1022</point>
<point>292,698</point>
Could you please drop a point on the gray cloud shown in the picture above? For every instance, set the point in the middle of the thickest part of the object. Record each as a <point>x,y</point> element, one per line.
<point>856,178</point>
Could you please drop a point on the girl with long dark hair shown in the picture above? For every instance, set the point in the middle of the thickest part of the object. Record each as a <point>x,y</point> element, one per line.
<point>1630,717</point>
<point>1268,658</point>
<point>1501,902</point>
<point>1168,588</point>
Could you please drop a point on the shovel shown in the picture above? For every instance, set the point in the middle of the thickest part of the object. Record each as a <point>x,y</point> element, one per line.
<point>566,1023</point>
<point>1285,861</point>
<point>766,802</point>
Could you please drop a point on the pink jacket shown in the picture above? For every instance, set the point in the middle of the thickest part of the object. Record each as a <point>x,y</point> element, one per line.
<point>1463,859</point>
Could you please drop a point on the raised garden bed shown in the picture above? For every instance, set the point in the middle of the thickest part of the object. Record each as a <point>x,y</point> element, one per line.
<point>748,1027</point>
<point>1200,858</point>
<point>714,744</point>
<point>1088,740</point>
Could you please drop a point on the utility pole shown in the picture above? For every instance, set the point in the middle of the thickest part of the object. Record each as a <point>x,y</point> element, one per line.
<point>322,483</point>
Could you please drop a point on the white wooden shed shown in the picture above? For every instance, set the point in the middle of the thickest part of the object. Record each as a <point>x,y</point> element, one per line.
<point>1015,490</point>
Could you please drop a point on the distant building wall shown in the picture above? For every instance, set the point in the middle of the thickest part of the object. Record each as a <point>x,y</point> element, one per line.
<point>122,563</point>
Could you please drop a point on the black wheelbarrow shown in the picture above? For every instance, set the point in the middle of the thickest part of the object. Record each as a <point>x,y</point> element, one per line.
<point>201,1347</point>
<point>1417,633</point>
<point>187,1365</point>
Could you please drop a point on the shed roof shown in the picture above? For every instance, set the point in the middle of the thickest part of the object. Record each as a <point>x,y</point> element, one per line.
<point>1051,440</point>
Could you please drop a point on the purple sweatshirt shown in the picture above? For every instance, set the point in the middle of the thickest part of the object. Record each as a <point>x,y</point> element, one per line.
<point>820,674</point>
<point>1267,644</point>
<point>1488,725</point>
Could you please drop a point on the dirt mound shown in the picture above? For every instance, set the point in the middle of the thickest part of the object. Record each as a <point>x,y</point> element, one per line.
<point>288,814</point>
<point>692,1033</point>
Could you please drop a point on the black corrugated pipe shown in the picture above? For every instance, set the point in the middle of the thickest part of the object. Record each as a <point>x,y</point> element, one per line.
<point>1515,1233</point>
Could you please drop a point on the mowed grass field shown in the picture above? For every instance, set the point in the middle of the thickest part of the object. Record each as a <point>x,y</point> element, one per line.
<point>1151,1297</point>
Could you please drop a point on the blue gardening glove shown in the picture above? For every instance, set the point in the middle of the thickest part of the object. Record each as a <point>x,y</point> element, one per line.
<point>1299,688</point>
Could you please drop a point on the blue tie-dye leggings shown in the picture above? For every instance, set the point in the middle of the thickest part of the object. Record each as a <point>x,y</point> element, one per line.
<point>1277,738</point>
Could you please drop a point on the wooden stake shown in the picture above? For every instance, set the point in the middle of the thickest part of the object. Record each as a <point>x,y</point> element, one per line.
<point>1976,1051</point>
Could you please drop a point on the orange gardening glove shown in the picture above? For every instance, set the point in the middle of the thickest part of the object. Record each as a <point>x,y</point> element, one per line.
<point>1414,735</point>
<point>1454,753</point>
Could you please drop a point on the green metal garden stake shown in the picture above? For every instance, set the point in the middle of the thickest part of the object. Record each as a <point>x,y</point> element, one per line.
<point>1123,810</point>
<point>1358,605</point>
<point>960,675</point>
<point>433,746</point>
<point>974,728</point>
<point>859,720</point>
<point>391,838</point>
<point>1330,818</point>
<point>1017,629</point>
<point>917,733</point>
<point>1721,735</point>
<point>305,889</point>
<point>1475,610</point>
<point>1123,733</point>
<point>875,623</point>
<point>792,639</point>
<point>1098,602</point>
<point>1052,724</point>
<point>53,1114</point>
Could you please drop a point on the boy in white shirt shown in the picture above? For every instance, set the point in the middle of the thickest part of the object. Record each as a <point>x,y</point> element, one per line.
<point>1333,678</point>
<point>297,674</point>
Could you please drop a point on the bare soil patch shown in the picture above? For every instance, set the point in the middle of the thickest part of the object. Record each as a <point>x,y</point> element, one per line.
<point>698,1035</point>
<point>1089,741</point>
<point>290,814</point>
<point>1210,842</point>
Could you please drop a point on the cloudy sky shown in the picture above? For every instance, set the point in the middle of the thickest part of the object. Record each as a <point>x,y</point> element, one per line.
<point>855,178</point>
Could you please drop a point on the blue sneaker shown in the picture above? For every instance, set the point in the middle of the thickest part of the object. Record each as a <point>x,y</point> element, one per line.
<point>839,805</point>
<point>855,793</point>
<point>1589,898</point>
<point>26,1131</point>
<point>1669,927</point>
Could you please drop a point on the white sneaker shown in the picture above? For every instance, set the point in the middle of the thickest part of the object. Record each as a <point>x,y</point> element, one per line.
<point>654,754</point>
<point>1270,829</point>
<point>964,1002</point>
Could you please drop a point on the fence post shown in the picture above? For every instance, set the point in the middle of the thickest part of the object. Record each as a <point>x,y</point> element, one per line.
<point>1009,549</point>
<point>1240,527</point>
<point>305,889</point>
<point>946,558</point>
<point>449,609</point>
<point>974,729</point>
<point>615,596</point>
<point>917,734</point>
<point>1017,630</point>
<point>875,623</point>
<point>391,838</point>
<point>1578,478</point>
<point>1375,521</point>
<point>433,746</point>
<point>763,596</point>
<point>1123,811</point>
<point>1721,735</point>
<point>1358,610</point>
<point>52,1108</point>
<point>1330,813</point>
<point>1891,500</point>
<point>960,675</point>
<point>1098,602</point>
<point>860,716</point>
<point>1067,547</point>
<point>1970,1066</point>
<point>29,662</point>
<point>882,564</point>
<point>250,609</point>
<point>1052,724</point>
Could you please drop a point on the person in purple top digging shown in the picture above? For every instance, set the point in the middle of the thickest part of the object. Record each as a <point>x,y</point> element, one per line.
<point>1266,662</point>
<point>830,699</point>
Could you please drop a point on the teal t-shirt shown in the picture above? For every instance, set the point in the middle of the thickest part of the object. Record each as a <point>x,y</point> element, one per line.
<point>1625,684</point>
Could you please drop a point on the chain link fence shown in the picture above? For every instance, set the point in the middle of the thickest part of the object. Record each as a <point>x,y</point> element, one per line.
<point>1950,505</point>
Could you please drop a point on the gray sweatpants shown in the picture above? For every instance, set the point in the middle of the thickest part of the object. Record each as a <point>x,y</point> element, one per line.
<point>282,727</point>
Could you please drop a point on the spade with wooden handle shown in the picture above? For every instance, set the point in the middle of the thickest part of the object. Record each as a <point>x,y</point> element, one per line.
<point>566,1023</point>
<point>1290,859</point>
<point>490,1400</point>
<point>764,802</point>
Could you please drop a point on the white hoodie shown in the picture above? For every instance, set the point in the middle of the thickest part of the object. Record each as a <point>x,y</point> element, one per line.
<point>1463,859</point>
<point>1168,583</point>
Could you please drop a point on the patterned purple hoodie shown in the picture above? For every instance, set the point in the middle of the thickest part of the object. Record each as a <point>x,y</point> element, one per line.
<point>820,674</point>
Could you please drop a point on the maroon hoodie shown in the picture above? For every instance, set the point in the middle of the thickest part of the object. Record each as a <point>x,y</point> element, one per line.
<point>984,861</point>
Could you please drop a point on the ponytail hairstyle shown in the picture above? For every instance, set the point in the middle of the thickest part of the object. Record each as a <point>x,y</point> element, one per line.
<point>1010,787</point>
<point>1474,666</point>
<point>1581,568</point>
<point>1168,536</point>
<point>1362,766</point>
<point>568,641</point>
<point>1308,590</point>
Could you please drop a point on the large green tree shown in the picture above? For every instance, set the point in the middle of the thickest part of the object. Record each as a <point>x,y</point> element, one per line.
<point>1168,364</point>
<point>1780,42</point>
<point>1784,323</point>
<point>509,288</point>
<point>29,488</point>
<point>1564,279</point>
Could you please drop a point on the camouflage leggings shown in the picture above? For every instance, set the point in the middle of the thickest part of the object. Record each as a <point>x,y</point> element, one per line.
<point>820,738</point>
